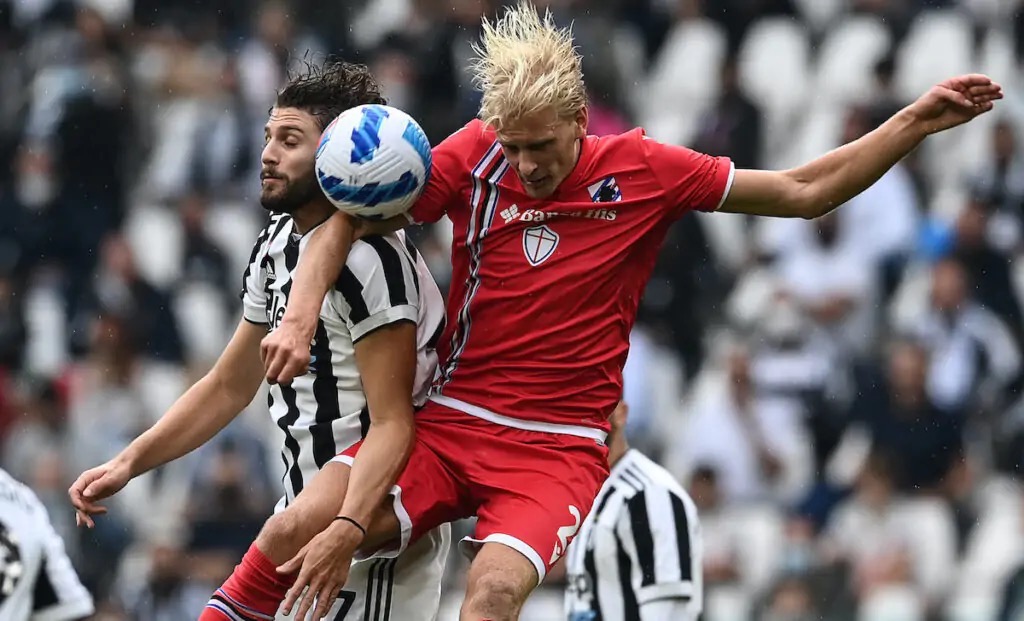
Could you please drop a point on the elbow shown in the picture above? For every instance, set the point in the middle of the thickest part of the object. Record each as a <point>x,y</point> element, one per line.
<point>809,204</point>
<point>801,196</point>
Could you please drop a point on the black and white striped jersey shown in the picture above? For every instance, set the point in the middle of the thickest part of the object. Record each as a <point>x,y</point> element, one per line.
<point>383,281</point>
<point>37,582</point>
<point>638,550</point>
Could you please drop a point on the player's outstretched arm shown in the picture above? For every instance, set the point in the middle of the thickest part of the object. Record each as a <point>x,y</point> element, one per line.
<point>286,350</point>
<point>198,415</point>
<point>820,186</point>
<point>386,359</point>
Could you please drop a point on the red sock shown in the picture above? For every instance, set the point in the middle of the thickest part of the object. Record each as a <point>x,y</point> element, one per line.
<point>253,591</point>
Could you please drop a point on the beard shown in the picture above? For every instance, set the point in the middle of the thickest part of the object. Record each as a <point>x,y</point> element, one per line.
<point>292,195</point>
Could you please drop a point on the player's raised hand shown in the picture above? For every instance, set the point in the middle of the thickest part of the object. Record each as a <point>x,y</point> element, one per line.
<point>93,486</point>
<point>956,101</point>
<point>285,353</point>
<point>323,567</point>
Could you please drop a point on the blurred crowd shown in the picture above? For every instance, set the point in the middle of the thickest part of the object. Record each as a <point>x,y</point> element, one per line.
<point>842,397</point>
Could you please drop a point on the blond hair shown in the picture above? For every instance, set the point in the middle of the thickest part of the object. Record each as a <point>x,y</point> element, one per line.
<point>524,64</point>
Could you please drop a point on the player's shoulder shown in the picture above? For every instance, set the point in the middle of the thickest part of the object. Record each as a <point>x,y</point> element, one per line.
<point>471,136</point>
<point>616,153</point>
<point>14,492</point>
<point>276,223</point>
<point>644,473</point>
<point>369,254</point>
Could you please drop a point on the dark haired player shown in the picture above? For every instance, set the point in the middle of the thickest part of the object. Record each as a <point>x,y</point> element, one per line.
<point>374,357</point>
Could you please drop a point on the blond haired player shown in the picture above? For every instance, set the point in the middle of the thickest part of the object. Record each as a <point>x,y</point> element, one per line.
<point>555,235</point>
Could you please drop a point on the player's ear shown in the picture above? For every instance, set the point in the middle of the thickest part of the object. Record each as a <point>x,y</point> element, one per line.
<point>582,118</point>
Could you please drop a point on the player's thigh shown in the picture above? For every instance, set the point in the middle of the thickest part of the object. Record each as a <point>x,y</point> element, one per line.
<point>537,510</point>
<point>311,512</point>
<point>406,587</point>
<point>426,495</point>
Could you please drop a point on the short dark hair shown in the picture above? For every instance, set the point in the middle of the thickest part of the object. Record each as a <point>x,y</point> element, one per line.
<point>327,90</point>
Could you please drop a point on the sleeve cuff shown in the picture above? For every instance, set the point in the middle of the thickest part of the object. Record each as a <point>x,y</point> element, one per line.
<point>664,590</point>
<point>253,313</point>
<point>405,312</point>
<point>728,186</point>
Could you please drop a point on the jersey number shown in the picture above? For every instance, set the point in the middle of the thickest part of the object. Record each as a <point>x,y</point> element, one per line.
<point>346,597</point>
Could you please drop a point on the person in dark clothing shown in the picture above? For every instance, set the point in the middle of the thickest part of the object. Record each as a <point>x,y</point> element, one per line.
<point>924,442</point>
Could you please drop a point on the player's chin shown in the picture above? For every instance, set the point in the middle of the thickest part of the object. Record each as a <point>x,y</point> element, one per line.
<point>539,190</point>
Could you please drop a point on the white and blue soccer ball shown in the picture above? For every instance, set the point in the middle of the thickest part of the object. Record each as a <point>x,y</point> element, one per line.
<point>373,161</point>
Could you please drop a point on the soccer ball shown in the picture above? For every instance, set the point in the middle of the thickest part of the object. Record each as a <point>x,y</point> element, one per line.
<point>373,161</point>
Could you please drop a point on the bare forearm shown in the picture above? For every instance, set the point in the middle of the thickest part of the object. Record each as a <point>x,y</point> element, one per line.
<point>843,173</point>
<point>321,264</point>
<point>381,458</point>
<point>195,418</point>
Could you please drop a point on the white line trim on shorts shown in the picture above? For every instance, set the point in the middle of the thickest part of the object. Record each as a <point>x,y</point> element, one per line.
<point>518,423</point>
<point>515,543</point>
<point>728,185</point>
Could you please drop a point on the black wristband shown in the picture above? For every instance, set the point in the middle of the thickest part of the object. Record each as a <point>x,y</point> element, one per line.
<point>345,518</point>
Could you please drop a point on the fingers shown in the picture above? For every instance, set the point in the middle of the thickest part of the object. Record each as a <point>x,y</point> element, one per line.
<point>324,600</point>
<point>307,600</point>
<point>294,564</point>
<point>283,361</point>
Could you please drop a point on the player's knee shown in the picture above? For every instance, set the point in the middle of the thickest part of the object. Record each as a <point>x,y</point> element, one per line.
<point>283,531</point>
<point>496,595</point>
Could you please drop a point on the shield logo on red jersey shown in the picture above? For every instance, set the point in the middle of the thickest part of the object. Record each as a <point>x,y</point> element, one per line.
<point>539,242</point>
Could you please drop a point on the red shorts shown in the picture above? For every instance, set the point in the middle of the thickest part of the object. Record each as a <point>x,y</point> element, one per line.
<point>529,490</point>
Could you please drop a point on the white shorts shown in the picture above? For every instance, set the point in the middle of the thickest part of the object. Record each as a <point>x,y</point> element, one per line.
<point>404,588</point>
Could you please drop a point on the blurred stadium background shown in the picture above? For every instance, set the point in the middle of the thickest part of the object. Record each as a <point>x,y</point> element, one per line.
<point>842,397</point>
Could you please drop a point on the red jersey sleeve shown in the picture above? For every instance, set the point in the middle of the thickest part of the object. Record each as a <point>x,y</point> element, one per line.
<point>691,180</point>
<point>447,162</point>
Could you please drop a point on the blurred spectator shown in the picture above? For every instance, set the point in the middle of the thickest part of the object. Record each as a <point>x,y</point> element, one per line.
<point>230,497</point>
<point>107,411</point>
<point>755,443</point>
<point>167,593</point>
<point>681,290</point>
<point>893,415</point>
<point>999,180</point>
<point>118,289</point>
<point>792,599</point>
<point>975,361</point>
<point>833,286</point>
<point>204,260</point>
<point>732,126</point>
<point>893,545</point>
<point>740,543</point>
<point>987,267</point>
<point>41,428</point>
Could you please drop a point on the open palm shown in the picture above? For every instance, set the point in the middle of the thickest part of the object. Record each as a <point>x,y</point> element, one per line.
<point>956,101</point>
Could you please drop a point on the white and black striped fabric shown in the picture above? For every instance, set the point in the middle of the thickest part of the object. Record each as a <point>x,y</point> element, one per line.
<point>37,581</point>
<point>383,281</point>
<point>638,554</point>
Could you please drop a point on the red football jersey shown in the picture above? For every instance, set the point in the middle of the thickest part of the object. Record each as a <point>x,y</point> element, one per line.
<point>545,292</point>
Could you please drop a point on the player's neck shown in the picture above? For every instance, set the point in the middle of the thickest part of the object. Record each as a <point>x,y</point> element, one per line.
<point>311,215</point>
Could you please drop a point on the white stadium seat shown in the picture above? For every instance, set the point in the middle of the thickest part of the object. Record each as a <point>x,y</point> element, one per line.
<point>774,71</point>
<point>847,58</point>
<point>157,241</point>
<point>939,45</point>
<point>820,14</point>
<point>234,228</point>
<point>684,80</point>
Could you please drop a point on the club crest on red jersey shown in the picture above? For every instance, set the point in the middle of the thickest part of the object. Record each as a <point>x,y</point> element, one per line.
<point>605,191</point>
<point>539,243</point>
